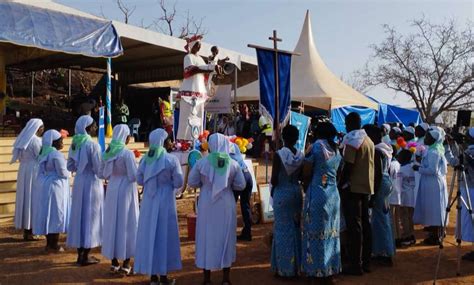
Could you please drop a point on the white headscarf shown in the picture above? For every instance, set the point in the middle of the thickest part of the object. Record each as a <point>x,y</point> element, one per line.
<point>397,129</point>
<point>47,141</point>
<point>410,130</point>
<point>290,161</point>
<point>82,123</point>
<point>218,143</point>
<point>425,126</point>
<point>354,138</point>
<point>25,136</point>
<point>385,149</point>
<point>120,134</point>
<point>387,127</point>
<point>157,138</point>
<point>437,133</point>
<point>50,136</point>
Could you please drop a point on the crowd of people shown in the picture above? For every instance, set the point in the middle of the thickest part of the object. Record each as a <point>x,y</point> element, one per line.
<point>362,196</point>
<point>339,205</point>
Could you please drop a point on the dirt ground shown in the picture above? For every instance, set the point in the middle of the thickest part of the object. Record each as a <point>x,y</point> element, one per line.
<point>27,263</point>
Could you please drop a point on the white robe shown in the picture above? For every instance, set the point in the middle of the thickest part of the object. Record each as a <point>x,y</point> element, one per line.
<point>85,225</point>
<point>27,173</point>
<point>52,203</point>
<point>407,184</point>
<point>216,218</point>
<point>432,197</point>
<point>121,207</point>
<point>192,86</point>
<point>158,248</point>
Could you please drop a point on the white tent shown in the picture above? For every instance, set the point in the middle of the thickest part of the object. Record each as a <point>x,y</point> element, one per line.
<point>311,81</point>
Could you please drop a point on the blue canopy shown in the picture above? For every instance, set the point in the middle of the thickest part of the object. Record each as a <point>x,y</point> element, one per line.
<point>338,116</point>
<point>393,114</point>
<point>31,26</point>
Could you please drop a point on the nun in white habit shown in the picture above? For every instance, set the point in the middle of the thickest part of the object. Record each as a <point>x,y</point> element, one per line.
<point>432,198</point>
<point>121,201</point>
<point>52,201</point>
<point>158,249</point>
<point>85,226</point>
<point>26,149</point>
<point>216,175</point>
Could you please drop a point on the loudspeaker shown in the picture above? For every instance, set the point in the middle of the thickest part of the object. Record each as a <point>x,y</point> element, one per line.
<point>464,118</point>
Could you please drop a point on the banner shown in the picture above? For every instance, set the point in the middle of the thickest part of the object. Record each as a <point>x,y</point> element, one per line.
<point>302,123</point>
<point>101,135</point>
<point>220,103</point>
<point>266,75</point>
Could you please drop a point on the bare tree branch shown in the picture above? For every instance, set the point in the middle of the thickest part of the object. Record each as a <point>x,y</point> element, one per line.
<point>126,10</point>
<point>430,65</point>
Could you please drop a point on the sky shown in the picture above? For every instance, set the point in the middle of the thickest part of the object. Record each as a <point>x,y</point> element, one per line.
<point>343,29</point>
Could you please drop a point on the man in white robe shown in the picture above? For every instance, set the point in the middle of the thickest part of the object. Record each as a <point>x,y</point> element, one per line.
<point>193,92</point>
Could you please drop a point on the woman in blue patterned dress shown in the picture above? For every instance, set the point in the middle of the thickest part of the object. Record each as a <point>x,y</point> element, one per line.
<point>383,245</point>
<point>321,253</point>
<point>287,202</point>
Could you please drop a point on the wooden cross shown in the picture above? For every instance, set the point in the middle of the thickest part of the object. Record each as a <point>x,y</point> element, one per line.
<point>275,40</point>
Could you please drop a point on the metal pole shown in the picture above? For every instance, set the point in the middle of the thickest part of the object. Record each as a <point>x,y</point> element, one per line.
<point>32,86</point>
<point>276,122</point>
<point>70,88</point>
<point>108,99</point>
<point>235,97</point>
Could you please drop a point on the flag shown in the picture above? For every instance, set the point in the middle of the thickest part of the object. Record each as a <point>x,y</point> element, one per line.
<point>102,128</point>
<point>266,75</point>
<point>302,123</point>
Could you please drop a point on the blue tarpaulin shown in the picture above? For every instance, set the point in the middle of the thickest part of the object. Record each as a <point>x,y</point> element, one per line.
<point>31,26</point>
<point>393,114</point>
<point>266,74</point>
<point>338,116</point>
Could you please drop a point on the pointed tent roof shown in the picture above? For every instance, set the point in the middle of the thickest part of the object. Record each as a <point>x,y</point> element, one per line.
<point>314,84</point>
<point>311,81</point>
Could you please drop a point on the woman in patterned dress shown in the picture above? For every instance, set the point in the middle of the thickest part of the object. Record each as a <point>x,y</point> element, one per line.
<point>321,254</point>
<point>287,202</point>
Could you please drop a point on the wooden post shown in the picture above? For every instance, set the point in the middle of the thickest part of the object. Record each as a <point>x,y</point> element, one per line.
<point>276,120</point>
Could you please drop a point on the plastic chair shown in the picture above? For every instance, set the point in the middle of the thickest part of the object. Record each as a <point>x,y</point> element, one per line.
<point>134,125</point>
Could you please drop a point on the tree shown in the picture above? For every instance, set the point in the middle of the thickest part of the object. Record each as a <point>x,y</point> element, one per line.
<point>126,10</point>
<point>432,66</point>
<point>166,23</point>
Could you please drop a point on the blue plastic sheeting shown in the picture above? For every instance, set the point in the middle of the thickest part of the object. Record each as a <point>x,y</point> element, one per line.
<point>338,115</point>
<point>31,26</point>
<point>394,114</point>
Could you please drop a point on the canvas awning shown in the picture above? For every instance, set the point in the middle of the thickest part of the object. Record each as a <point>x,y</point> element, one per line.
<point>148,56</point>
<point>24,25</point>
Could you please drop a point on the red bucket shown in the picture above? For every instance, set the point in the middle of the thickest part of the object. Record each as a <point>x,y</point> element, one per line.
<point>191,220</point>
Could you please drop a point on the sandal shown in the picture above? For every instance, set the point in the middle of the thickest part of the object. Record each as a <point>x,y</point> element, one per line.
<point>114,269</point>
<point>127,270</point>
<point>90,261</point>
